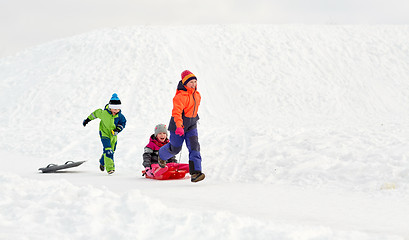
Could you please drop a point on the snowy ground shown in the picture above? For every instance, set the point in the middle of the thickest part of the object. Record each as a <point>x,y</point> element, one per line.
<point>303,133</point>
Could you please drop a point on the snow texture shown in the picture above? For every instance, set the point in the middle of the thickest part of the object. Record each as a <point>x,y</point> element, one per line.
<point>303,134</point>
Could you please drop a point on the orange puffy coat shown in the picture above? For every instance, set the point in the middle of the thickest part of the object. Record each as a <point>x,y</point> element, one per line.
<point>185,107</point>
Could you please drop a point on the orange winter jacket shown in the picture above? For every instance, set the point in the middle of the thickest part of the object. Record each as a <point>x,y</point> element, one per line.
<point>185,106</point>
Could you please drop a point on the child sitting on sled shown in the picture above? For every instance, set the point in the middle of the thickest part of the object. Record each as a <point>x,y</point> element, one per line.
<point>173,169</point>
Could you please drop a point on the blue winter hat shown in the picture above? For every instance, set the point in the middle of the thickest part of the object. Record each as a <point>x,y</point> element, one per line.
<point>115,102</point>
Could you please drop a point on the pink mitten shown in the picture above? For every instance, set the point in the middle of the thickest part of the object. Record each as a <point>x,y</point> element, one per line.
<point>148,172</point>
<point>179,131</point>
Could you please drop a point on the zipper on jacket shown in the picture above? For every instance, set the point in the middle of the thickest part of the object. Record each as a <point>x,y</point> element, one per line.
<point>194,106</point>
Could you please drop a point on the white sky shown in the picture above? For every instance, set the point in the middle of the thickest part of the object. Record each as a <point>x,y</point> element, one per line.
<point>25,23</point>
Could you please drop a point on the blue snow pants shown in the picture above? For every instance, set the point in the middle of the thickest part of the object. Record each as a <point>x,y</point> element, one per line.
<point>175,145</point>
<point>107,158</point>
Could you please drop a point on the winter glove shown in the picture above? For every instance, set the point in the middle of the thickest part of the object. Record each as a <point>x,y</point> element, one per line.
<point>148,172</point>
<point>179,131</point>
<point>116,131</point>
<point>86,121</point>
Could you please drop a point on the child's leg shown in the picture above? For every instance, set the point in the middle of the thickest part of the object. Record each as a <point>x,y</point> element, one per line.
<point>195,159</point>
<point>109,161</point>
<point>101,160</point>
<point>172,148</point>
<point>106,144</point>
<point>108,154</point>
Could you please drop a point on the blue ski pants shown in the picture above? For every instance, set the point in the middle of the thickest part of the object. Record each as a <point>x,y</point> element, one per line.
<point>175,146</point>
<point>109,147</point>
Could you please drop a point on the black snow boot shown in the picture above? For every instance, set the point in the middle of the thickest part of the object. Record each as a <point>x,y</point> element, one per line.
<point>101,167</point>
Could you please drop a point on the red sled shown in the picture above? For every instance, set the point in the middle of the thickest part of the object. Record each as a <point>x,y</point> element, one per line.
<point>171,171</point>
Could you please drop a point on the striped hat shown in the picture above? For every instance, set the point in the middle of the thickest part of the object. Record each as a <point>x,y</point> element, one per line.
<point>187,76</point>
<point>115,102</point>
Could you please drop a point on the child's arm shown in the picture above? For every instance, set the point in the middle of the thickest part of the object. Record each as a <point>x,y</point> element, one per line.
<point>121,123</point>
<point>147,156</point>
<point>92,116</point>
<point>178,106</point>
<point>96,114</point>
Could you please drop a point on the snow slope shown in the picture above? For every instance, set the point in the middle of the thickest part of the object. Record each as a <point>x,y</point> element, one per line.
<point>26,23</point>
<point>303,133</point>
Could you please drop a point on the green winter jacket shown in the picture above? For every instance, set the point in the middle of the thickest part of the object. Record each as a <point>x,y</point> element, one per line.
<point>108,121</point>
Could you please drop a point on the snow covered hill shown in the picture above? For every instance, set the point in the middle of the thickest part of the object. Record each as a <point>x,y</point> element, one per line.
<point>303,133</point>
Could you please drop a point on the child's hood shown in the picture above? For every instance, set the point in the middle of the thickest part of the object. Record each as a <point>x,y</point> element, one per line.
<point>154,144</point>
<point>182,87</point>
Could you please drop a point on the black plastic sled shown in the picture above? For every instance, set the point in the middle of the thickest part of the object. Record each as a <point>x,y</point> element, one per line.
<point>51,168</point>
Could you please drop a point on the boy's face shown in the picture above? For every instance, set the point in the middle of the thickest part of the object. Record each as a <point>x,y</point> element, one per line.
<point>161,136</point>
<point>192,84</point>
<point>115,111</point>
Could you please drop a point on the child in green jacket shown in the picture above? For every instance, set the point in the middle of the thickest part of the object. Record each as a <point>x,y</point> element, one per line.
<point>112,122</point>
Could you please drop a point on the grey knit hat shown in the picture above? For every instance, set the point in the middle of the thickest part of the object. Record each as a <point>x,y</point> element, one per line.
<point>160,128</point>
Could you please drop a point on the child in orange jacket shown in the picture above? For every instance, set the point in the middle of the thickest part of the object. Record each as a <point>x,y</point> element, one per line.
<point>183,126</point>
